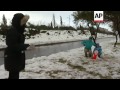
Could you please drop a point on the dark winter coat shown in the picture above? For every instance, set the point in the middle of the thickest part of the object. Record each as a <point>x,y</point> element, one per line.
<point>14,56</point>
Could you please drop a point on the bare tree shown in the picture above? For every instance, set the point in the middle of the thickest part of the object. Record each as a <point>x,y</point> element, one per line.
<point>54,24</point>
<point>61,22</point>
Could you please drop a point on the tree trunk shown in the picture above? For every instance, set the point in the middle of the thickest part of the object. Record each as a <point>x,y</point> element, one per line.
<point>97,31</point>
<point>90,31</point>
<point>117,24</point>
<point>119,33</point>
<point>118,36</point>
<point>94,40</point>
<point>95,36</point>
<point>89,28</point>
<point>116,41</point>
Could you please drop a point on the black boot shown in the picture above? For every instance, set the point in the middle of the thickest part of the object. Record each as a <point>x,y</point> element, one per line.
<point>13,75</point>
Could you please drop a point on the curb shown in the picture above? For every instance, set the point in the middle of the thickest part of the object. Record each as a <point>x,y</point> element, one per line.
<point>54,43</point>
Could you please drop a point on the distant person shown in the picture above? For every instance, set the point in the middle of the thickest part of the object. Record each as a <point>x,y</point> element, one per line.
<point>88,45</point>
<point>14,56</point>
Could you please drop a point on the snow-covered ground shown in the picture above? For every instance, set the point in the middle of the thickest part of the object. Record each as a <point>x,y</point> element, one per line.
<point>54,36</point>
<point>2,42</point>
<point>59,36</point>
<point>73,65</point>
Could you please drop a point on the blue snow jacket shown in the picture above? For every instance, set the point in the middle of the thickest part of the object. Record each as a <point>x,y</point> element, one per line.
<point>99,49</point>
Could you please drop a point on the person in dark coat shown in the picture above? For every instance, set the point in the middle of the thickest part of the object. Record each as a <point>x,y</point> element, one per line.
<point>14,56</point>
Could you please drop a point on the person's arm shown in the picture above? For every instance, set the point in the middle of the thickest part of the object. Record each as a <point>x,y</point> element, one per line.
<point>12,43</point>
<point>94,44</point>
<point>83,42</point>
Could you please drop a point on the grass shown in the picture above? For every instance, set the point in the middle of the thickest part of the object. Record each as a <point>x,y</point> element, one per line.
<point>114,43</point>
<point>85,63</point>
<point>118,43</point>
<point>101,77</point>
<point>80,68</point>
<point>62,60</point>
<point>51,73</point>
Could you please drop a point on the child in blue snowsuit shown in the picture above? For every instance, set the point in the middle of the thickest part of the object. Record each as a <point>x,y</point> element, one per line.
<point>99,49</point>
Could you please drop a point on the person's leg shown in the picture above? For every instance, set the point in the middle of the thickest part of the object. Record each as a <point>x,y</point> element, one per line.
<point>85,51</point>
<point>90,53</point>
<point>13,75</point>
<point>100,55</point>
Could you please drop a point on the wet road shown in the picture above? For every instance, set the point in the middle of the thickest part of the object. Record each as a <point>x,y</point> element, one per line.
<point>51,49</point>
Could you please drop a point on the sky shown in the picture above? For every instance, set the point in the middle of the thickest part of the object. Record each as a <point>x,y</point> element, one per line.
<point>44,17</point>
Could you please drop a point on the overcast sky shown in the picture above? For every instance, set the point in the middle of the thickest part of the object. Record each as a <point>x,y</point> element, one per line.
<point>44,17</point>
